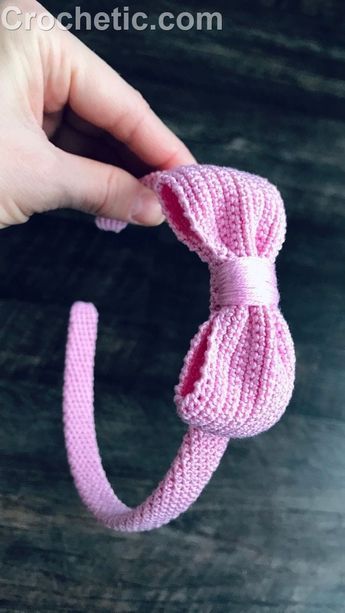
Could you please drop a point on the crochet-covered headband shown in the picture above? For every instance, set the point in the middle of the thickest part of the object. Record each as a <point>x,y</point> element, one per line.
<point>238,374</point>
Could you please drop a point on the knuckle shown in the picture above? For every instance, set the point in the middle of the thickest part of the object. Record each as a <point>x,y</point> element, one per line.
<point>132,118</point>
<point>139,100</point>
<point>109,194</point>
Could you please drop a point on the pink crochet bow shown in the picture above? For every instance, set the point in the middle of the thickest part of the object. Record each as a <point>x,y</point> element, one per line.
<point>238,375</point>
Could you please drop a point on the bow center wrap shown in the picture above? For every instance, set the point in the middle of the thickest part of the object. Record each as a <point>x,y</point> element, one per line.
<point>244,281</point>
<point>238,374</point>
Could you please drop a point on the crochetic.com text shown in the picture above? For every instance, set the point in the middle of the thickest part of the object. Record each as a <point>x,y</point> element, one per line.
<point>119,19</point>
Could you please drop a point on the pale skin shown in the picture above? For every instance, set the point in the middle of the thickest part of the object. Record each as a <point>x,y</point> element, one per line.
<point>62,111</point>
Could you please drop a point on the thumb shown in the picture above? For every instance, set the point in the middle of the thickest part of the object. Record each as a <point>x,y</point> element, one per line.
<point>106,191</point>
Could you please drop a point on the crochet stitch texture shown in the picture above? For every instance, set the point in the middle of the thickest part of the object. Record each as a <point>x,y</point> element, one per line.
<point>237,377</point>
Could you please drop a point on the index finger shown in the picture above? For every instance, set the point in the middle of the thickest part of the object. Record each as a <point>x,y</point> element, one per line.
<point>100,96</point>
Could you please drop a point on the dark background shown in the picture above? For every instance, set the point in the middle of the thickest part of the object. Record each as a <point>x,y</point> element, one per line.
<point>267,95</point>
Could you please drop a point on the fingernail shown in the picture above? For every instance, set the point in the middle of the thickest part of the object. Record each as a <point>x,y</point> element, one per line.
<point>146,210</point>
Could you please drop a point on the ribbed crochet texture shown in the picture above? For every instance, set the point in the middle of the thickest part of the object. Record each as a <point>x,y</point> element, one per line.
<point>237,377</point>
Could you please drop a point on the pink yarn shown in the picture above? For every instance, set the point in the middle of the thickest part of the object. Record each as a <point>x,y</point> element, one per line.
<point>112,225</point>
<point>238,375</point>
<point>246,281</point>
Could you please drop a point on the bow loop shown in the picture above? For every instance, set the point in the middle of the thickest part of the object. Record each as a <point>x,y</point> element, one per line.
<point>221,213</point>
<point>238,375</point>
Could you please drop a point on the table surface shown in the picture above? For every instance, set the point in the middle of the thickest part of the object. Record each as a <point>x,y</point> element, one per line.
<point>267,95</point>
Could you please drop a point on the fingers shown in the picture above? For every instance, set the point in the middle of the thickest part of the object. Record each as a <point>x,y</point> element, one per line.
<point>105,191</point>
<point>100,96</point>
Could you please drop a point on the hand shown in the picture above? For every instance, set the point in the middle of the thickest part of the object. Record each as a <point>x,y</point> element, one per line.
<point>59,103</point>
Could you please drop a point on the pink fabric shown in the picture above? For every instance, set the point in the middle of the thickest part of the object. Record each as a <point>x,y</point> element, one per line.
<point>246,281</point>
<point>237,377</point>
<point>110,225</point>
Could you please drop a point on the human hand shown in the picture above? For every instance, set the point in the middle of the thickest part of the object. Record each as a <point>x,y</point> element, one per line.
<point>60,103</point>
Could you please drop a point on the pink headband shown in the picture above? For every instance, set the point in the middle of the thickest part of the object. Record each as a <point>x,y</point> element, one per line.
<point>238,374</point>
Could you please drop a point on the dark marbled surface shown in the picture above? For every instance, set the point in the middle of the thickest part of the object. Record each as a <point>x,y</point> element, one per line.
<point>267,535</point>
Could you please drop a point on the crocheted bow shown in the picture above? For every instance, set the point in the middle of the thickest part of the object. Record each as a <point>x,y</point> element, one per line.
<point>238,374</point>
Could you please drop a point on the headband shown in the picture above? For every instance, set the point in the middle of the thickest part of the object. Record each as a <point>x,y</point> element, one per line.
<point>238,374</point>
